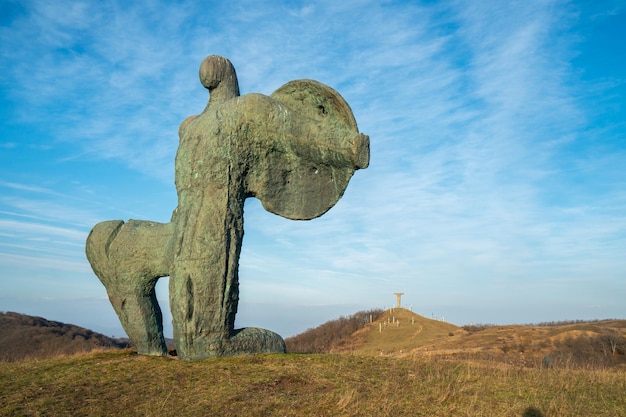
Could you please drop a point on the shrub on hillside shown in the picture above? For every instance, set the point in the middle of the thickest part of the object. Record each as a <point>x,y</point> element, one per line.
<point>590,351</point>
<point>473,328</point>
<point>330,334</point>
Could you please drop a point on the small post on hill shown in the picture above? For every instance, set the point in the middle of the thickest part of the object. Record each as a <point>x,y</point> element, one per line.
<point>398,296</point>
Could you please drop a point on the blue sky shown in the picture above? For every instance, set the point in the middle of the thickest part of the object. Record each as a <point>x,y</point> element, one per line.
<point>496,191</point>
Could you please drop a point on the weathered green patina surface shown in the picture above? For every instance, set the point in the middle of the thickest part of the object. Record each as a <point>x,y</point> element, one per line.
<point>294,150</point>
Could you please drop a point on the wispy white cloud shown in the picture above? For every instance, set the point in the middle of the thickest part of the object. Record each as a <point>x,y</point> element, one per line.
<point>27,187</point>
<point>49,211</point>
<point>43,263</point>
<point>37,229</point>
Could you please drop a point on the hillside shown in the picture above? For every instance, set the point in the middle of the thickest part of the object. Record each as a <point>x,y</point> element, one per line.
<point>331,335</point>
<point>397,332</point>
<point>582,344</point>
<point>23,337</point>
<point>400,332</point>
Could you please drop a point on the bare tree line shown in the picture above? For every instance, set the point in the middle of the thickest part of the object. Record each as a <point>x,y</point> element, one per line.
<point>330,334</point>
<point>23,336</point>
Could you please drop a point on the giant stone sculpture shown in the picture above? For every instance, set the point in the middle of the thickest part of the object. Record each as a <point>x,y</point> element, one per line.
<point>294,150</point>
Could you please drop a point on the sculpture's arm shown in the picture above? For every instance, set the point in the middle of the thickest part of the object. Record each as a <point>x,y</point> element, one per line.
<point>296,165</point>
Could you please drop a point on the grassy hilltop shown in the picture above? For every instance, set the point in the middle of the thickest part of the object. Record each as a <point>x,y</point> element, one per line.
<point>410,366</point>
<point>399,333</point>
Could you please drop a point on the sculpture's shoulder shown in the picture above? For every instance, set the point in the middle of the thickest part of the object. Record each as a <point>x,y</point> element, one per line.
<point>249,104</point>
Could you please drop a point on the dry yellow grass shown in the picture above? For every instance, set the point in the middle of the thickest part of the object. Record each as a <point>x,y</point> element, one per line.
<point>124,384</point>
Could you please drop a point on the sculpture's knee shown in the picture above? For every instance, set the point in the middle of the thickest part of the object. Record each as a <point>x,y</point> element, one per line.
<point>135,252</point>
<point>98,244</point>
<point>128,258</point>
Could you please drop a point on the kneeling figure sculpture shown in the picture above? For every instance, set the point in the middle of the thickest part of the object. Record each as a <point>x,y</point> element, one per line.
<point>294,150</point>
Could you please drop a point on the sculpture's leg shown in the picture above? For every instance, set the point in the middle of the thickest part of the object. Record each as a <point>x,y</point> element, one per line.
<point>129,258</point>
<point>204,287</point>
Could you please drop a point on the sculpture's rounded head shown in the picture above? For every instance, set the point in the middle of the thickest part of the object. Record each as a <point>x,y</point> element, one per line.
<point>217,74</point>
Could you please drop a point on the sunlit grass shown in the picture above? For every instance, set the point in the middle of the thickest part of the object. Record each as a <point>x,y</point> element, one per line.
<point>122,383</point>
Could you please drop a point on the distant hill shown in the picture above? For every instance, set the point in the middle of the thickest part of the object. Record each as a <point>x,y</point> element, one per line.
<point>23,337</point>
<point>586,344</point>
<point>400,332</point>
<point>371,332</point>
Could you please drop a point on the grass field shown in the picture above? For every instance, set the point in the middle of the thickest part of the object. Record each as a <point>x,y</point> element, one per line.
<point>120,383</point>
